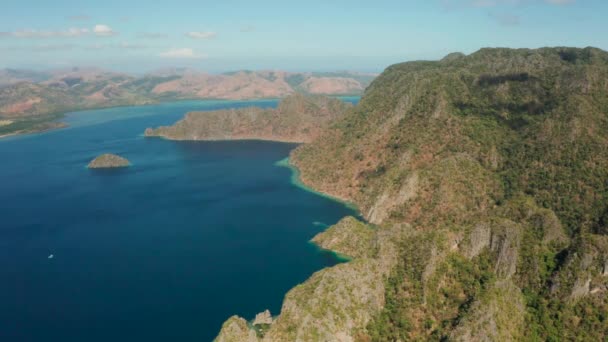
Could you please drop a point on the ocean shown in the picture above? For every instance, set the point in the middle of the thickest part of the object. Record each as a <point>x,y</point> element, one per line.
<point>167,249</point>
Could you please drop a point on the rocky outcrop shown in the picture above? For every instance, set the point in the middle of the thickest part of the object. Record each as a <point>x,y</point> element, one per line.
<point>332,305</point>
<point>263,318</point>
<point>584,270</point>
<point>505,242</point>
<point>389,200</point>
<point>235,329</point>
<point>336,303</point>
<point>349,237</point>
<point>498,316</point>
<point>298,118</point>
<point>105,161</point>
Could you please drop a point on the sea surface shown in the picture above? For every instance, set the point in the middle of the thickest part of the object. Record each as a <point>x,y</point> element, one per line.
<point>165,250</point>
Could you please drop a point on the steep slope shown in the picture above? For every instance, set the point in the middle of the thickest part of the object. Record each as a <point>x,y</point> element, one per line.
<point>298,118</point>
<point>489,173</point>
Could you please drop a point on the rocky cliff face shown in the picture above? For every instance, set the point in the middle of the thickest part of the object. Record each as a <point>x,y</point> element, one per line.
<point>298,118</point>
<point>336,303</point>
<point>488,174</point>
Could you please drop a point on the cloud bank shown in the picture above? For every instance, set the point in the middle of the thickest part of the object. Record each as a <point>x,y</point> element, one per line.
<point>182,53</point>
<point>103,30</point>
<point>99,30</point>
<point>201,35</point>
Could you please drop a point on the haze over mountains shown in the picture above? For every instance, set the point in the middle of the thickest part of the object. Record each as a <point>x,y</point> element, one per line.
<point>30,100</point>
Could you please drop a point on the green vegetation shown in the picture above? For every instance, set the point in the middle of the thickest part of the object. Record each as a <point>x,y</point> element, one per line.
<point>509,155</point>
<point>261,329</point>
<point>485,179</point>
<point>33,124</point>
<point>298,118</point>
<point>294,80</point>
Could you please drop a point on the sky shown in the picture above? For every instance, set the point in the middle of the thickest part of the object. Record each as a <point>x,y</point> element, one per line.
<point>314,35</point>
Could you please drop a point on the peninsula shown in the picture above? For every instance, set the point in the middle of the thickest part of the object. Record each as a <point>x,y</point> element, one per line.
<point>299,118</point>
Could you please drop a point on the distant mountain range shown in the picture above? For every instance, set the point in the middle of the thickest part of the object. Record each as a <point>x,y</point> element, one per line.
<point>29,100</point>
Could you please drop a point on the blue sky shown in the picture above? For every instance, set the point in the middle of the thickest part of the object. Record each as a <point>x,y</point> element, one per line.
<point>312,35</point>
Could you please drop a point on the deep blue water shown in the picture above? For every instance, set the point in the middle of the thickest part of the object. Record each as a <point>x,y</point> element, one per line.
<point>167,249</point>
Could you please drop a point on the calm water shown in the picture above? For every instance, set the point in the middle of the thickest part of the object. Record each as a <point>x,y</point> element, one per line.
<point>167,249</point>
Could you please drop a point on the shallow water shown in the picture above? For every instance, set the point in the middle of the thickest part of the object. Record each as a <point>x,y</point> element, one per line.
<point>190,234</point>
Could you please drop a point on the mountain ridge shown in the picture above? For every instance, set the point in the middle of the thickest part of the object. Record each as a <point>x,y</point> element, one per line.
<point>298,118</point>
<point>482,179</point>
<point>32,100</point>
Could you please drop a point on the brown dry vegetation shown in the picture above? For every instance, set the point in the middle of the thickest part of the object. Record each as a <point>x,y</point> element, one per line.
<point>298,118</point>
<point>488,174</point>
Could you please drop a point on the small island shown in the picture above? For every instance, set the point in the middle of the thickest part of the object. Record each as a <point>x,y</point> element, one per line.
<point>107,160</point>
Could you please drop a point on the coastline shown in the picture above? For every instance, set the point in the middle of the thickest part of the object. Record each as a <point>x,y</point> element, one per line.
<point>60,115</point>
<point>59,125</point>
<point>340,257</point>
<point>283,141</point>
<point>295,180</point>
<point>237,328</point>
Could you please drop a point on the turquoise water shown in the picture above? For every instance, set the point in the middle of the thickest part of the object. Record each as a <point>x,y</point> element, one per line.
<point>167,249</point>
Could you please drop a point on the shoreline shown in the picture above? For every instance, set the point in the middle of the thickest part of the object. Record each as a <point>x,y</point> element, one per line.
<point>23,133</point>
<point>341,258</point>
<point>296,180</point>
<point>163,137</point>
<point>62,114</point>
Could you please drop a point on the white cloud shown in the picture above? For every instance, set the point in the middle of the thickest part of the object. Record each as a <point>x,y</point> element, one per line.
<point>103,30</point>
<point>41,48</point>
<point>187,53</point>
<point>84,47</point>
<point>201,35</point>
<point>30,33</point>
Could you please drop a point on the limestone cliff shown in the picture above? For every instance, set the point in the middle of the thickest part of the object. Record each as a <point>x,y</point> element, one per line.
<point>336,303</point>
<point>484,177</point>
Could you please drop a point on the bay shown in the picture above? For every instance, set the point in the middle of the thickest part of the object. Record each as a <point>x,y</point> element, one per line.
<point>167,249</point>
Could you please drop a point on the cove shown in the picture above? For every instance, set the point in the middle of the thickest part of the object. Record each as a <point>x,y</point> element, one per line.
<point>190,234</point>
